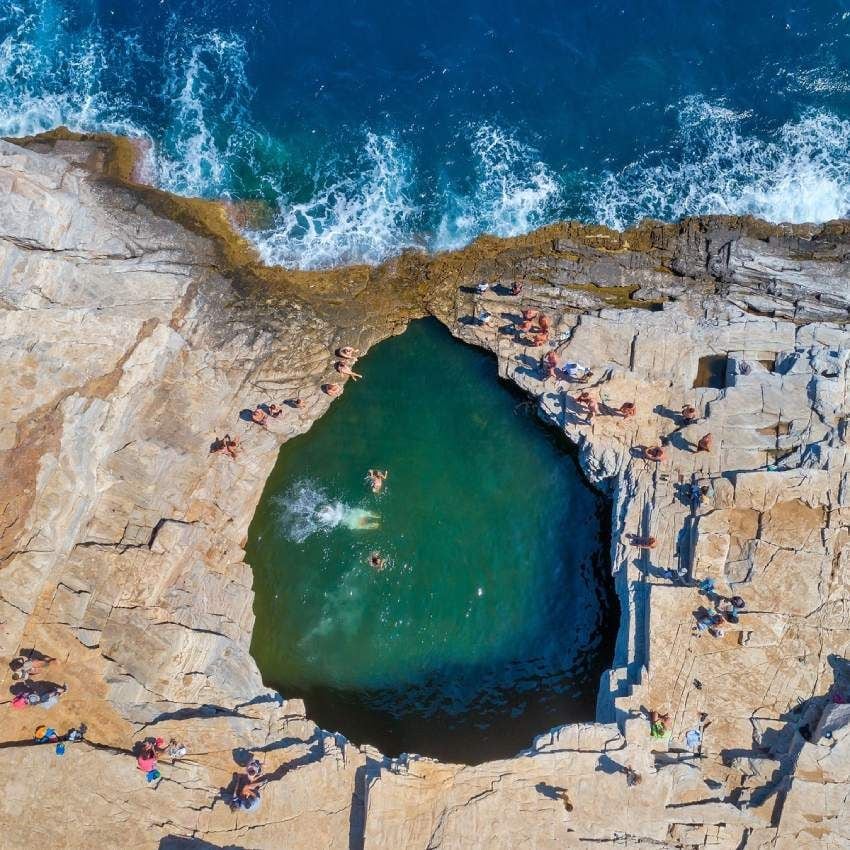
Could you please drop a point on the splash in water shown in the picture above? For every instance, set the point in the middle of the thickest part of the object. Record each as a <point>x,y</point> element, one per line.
<point>305,509</point>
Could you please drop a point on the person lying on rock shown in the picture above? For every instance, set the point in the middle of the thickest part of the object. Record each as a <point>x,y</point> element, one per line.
<point>648,542</point>
<point>344,369</point>
<point>348,353</point>
<point>227,445</point>
<point>275,410</point>
<point>259,416</point>
<point>49,698</point>
<point>516,287</point>
<point>23,667</point>
<point>628,409</point>
<point>705,443</point>
<point>655,453</point>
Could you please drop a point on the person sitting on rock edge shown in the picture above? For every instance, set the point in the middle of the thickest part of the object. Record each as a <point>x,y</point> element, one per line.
<point>344,369</point>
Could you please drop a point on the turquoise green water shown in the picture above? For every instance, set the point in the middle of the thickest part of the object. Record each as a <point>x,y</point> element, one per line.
<point>490,621</point>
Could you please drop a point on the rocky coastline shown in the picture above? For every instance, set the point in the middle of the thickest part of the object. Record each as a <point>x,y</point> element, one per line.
<point>137,325</point>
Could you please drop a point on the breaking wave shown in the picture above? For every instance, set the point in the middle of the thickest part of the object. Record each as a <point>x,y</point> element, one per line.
<point>363,217</point>
<point>800,174</point>
<point>513,192</point>
<point>187,93</point>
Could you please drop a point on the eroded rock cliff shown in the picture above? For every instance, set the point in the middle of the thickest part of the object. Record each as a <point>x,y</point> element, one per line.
<point>135,327</point>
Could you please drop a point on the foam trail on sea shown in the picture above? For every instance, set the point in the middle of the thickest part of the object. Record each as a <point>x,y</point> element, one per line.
<point>305,509</point>
<point>513,192</point>
<point>801,174</point>
<point>359,214</point>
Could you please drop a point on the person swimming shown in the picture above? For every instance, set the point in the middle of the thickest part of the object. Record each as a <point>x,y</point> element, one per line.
<point>357,519</point>
<point>377,561</point>
<point>376,479</point>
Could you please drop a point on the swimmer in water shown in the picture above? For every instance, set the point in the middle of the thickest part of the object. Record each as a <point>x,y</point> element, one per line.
<point>376,561</point>
<point>376,479</point>
<point>361,520</point>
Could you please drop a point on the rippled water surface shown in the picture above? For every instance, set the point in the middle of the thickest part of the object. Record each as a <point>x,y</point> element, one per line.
<point>492,618</point>
<point>369,126</point>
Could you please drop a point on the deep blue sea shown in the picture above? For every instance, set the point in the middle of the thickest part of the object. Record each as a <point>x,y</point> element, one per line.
<point>372,126</point>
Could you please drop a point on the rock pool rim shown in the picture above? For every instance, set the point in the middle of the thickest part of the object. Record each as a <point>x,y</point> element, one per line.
<point>461,739</point>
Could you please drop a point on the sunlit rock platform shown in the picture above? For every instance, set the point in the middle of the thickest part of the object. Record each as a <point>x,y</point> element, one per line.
<point>136,327</point>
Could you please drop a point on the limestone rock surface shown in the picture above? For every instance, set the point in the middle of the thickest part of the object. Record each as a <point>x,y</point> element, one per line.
<point>130,343</point>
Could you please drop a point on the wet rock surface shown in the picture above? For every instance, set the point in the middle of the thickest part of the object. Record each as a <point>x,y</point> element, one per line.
<point>134,334</point>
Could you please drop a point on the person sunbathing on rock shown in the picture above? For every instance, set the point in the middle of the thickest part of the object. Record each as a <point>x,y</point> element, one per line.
<point>348,353</point>
<point>275,410</point>
<point>298,403</point>
<point>529,314</point>
<point>259,416</point>
<point>647,542</point>
<point>543,322</point>
<point>23,668</point>
<point>376,478</point>
<point>332,389</point>
<point>345,369</point>
<point>655,453</point>
<point>628,409</point>
<point>516,287</point>
<point>226,445</point>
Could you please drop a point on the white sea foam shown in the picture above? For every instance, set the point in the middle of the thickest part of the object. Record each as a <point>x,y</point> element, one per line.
<point>305,509</point>
<point>49,78</point>
<point>209,89</point>
<point>800,174</point>
<point>361,217</point>
<point>514,191</point>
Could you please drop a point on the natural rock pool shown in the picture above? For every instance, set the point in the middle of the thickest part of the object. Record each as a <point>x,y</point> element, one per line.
<point>493,615</point>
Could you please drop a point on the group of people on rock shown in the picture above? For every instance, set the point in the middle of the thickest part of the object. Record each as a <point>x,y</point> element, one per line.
<point>260,415</point>
<point>25,692</point>
<point>28,693</point>
<point>721,610</point>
